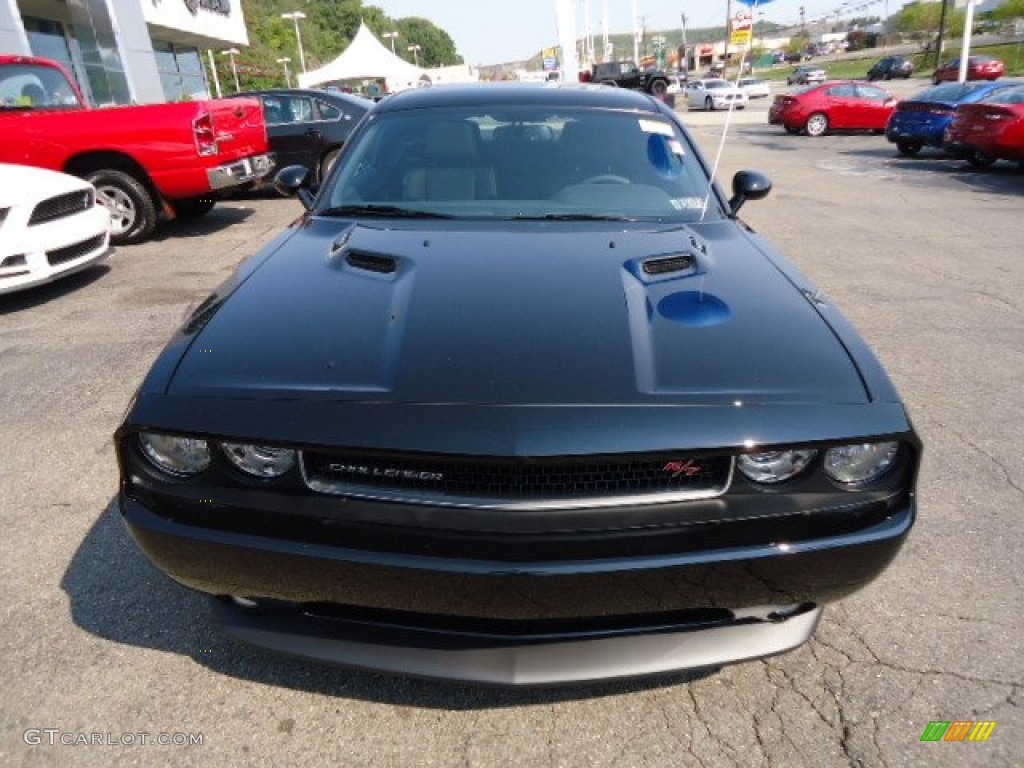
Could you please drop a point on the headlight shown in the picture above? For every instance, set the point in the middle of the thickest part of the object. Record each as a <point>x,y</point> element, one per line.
<point>774,466</point>
<point>260,460</point>
<point>855,464</point>
<point>182,456</point>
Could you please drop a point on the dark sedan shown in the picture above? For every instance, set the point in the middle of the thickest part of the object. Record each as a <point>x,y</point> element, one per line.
<point>922,120</point>
<point>519,399</point>
<point>889,67</point>
<point>832,106</point>
<point>309,127</point>
<point>978,68</point>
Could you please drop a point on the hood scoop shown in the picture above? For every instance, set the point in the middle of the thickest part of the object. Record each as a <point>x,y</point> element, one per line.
<point>666,264</point>
<point>372,262</point>
<point>343,249</point>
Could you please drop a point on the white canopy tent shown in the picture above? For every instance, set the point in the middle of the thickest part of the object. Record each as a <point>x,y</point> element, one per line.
<point>366,58</point>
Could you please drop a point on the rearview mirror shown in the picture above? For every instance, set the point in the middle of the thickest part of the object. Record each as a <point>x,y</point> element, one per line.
<point>748,185</point>
<point>296,180</point>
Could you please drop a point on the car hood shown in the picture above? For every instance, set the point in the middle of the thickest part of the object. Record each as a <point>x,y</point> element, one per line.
<point>23,183</point>
<point>528,313</point>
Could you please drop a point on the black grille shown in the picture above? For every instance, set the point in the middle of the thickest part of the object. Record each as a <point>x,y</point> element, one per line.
<point>498,479</point>
<point>61,206</point>
<point>72,252</point>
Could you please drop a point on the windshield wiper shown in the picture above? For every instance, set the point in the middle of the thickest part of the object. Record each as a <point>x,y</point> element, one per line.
<point>384,211</point>
<point>572,217</point>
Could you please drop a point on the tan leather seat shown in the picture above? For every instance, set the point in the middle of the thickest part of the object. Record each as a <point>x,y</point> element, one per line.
<point>453,168</point>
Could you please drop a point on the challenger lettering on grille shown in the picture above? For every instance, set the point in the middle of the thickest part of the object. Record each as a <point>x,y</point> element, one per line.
<point>390,472</point>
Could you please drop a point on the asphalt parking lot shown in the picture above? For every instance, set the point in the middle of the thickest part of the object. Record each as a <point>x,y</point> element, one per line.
<point>924,255</point>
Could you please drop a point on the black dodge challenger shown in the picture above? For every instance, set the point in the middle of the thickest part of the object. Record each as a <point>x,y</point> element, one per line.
<point>519,399</point>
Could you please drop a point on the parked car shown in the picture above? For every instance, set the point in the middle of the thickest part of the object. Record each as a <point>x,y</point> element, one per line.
<point>840,105</point>
<point>978,68</point>
<point>145,161</point>
<point>889,67</point>
<point>922,120</point>
<point>520,401</point>
<point>805,74</point>
<point>50,226</point>
<point>989,130</point>
<point>714,93</point>
<point>676,83</point>
<point>755,87</point>
<point>309,127</point>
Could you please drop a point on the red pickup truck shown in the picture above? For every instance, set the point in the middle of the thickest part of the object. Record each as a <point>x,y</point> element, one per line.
<point>146,162</point>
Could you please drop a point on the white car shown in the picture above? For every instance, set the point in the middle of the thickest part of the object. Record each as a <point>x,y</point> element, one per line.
<point>714,93</point>
<point>755,87</point>
<point>50,226</point>
<point>675,84</point>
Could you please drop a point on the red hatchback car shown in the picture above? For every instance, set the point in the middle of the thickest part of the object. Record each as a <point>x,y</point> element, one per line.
<point>833,106</point>
<point>989,130</point>
<point>978,68</point>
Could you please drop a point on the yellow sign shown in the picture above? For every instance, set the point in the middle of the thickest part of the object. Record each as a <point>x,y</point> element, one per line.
<point>740,37</point>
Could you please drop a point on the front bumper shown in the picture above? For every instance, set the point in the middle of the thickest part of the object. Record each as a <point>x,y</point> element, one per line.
<point>483,658</point>
<point>241,171</point>
<point>520,622</point>
<point>54,250</point>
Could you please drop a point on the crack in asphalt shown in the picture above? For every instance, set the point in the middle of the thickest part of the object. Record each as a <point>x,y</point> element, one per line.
<point>997,462</point>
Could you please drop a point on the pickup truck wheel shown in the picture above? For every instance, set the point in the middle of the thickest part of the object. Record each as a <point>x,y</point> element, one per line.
<point>194,207</point>
<point>659,88</point>
<point>132,209</point>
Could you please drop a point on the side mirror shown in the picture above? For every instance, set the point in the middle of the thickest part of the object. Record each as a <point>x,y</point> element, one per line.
<point>748,185</point>
<point>296,180</point>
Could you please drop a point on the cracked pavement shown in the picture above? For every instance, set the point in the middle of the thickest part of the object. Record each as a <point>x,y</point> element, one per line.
<point>923,255</point>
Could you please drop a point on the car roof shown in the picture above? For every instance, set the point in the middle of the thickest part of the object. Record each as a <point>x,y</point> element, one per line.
<point>511,94</point>
<point>336,96</point>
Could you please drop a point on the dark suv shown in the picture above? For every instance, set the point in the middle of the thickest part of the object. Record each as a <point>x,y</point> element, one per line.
<point>891,66</point>
<point>625,74</point>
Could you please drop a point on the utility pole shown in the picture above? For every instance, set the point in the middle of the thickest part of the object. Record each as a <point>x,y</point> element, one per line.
<point>942,32</point>
<point>636,39</point>
<point>803,20</point>
<point>685,62</point>
<point>728,21</point>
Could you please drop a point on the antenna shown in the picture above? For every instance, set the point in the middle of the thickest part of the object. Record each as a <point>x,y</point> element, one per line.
<point>746,22</point>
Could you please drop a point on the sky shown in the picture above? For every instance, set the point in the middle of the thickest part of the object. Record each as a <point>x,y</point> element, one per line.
<point>496,31</point>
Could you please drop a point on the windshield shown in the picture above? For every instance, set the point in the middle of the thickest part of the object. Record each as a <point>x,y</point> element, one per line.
<point>507,162</point>
<point>31,86</point>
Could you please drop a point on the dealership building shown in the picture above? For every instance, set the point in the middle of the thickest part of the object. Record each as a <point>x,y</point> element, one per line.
<point>126,51</point>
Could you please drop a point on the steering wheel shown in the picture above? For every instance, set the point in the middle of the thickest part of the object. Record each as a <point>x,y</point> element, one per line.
<point>606,178</point>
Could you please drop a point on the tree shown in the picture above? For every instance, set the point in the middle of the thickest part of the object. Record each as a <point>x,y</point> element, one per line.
<point>1011,9</point>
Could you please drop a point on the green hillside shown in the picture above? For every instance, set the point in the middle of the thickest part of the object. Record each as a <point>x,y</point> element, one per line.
<point>327,30</point>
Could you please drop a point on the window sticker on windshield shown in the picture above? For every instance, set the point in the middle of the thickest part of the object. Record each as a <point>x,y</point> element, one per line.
<point>687,203</point>
<point>676,148</point>
<point>656,126</point>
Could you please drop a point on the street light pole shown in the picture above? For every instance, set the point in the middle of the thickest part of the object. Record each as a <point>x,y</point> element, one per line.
<point>416,53</point>
<point>392,35</point>
<point>295,16</point>
<point>232,52</point>
<point>287,73</point>
<point>213,69</point>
